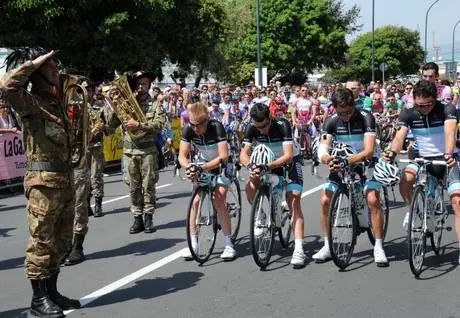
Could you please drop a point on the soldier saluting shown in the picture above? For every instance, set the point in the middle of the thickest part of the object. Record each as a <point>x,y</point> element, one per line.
<point>48,180</point>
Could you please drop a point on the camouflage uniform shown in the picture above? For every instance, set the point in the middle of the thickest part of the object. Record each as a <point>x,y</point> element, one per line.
<point>48,180</point>
<point>82,188</point>
<point>96,156</point>
<point>140,159</point>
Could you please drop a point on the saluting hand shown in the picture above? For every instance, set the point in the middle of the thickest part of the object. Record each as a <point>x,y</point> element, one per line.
<point>42,58</point>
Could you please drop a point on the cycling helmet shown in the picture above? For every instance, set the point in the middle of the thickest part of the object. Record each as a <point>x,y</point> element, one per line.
<point>386,173</point>
<point>342,150</point>
<point>262,155</point>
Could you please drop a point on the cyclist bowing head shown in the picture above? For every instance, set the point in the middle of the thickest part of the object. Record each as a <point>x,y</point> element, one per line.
<point>210,138</point>
<point>356,128</point>
<point>277,135</point>
<point>433,125</point>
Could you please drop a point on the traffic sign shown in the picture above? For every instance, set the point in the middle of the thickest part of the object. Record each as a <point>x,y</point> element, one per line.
<point>383,66</point>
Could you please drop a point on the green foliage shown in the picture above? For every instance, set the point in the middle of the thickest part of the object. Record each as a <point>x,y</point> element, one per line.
<point>123,35</point>
<point>297,36</point>
<point>398,46</point>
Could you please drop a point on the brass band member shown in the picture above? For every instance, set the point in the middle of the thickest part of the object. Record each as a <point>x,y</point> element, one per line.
<point>140,155</point>
<point>96,154</point>
<point>48,180</point>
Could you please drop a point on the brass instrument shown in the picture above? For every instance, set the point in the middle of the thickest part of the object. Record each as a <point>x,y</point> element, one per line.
<point>124,104</point>
<point>76,100</point>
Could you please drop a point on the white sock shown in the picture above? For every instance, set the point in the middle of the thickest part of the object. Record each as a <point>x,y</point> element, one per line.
<point>228,240</point>
<point>194,238</point>
<point>378,243</point>
<point>298,245</point>
<point>326,241</point>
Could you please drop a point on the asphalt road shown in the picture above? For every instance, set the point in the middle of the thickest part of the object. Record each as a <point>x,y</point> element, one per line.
<point>144,275</point>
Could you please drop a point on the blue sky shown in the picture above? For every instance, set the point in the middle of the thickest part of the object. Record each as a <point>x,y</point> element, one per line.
<point>411,14</point>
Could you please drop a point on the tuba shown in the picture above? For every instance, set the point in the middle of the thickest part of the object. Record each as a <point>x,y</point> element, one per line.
<point>124,104</point>
<point>76,101</point>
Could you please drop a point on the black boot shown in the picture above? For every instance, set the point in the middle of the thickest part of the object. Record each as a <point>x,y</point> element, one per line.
<point>148,224</point>
<point>76,255</point>
<point>98,207</point>
<point>62,301</point>
<point>90,211</point>
<point>138,225</point>
<point>42,305</point>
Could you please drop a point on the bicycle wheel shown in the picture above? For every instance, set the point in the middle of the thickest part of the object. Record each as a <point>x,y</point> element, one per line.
<point>416,233</point>
<point>201,226</point>
<point>233,204</point>
<point>384,204</point>
<point>262,233</point>
<point>440,217</point>
<point>343,227</point>
<point>285,231</point>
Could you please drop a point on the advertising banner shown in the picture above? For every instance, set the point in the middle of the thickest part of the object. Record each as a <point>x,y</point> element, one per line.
<point>12,165</point>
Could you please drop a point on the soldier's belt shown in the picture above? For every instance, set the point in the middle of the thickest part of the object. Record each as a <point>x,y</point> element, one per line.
<point>138,145</point>
<point>48,166</point>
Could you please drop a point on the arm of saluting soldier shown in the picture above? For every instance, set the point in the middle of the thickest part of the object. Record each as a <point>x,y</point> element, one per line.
<point>13,86</point>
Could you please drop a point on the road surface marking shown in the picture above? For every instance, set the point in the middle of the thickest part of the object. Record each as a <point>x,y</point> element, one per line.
<point>85,300</point>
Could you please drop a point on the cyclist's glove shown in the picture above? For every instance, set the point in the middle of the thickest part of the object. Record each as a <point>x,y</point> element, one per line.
<point>342,162</point>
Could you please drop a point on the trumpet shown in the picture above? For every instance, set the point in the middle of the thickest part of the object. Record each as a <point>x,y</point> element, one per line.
<point>76,100</point>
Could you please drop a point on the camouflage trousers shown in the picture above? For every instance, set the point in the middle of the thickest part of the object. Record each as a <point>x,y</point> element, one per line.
<point>50,216</point>
<point>82,189</point>
<point>142,173</point>
<point>96,157</point>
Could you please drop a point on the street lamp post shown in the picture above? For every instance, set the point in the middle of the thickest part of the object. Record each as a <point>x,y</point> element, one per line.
<point>426,27</point>
<point>453,41</point>
<point>373,48</point>
<point>259,67</point>
<point>454,67</point>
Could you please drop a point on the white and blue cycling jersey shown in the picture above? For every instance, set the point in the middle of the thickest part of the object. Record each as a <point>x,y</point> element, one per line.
<point>352,132</point>
<point>428,130</point>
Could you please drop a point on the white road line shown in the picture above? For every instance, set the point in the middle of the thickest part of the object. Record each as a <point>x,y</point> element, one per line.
<point>127,196</point>
<point>128,279</point>
<point>306,193</point>
<point>85,300</point>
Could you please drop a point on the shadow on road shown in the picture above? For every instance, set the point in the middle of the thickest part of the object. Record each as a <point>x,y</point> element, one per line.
<point>12,263</point>
<point>4,232</point>
<point>150,288</point>
<point>137,248</point>
<point>12,207</point>
<point>15,313</point>
<point>171,225</point>
<point>187,194</point>
<point>439,265</point>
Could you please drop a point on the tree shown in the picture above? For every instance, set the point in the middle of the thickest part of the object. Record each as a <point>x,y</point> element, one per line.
<point>123,35</point>
<point>398,46</point>
<point>297,36</point>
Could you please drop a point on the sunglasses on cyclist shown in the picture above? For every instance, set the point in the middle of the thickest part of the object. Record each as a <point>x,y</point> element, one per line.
<point>261,126</point>
<point>424,105</point>
<point>198,124</point>
<point>343,114</point>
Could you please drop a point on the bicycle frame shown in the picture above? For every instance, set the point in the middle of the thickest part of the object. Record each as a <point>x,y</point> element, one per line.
<point>422,179</point>
<point>349,180</point>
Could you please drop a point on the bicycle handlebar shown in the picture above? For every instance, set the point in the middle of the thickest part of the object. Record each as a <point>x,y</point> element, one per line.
<point>425,161</point>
